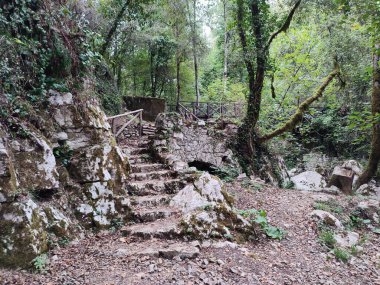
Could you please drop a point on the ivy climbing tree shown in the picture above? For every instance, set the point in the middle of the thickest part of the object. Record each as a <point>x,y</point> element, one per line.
<point>257,32</point>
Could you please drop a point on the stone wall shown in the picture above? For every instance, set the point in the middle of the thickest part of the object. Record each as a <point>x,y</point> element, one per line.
<point>179,143</point>
<point>152,106</point>
<point>60,173</point>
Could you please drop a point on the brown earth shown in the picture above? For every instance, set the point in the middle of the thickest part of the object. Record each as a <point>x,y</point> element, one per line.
<point>110,259</point>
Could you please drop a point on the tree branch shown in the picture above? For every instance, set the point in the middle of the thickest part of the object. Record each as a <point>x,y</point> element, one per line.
<point>285,26</point>
<point>297,117</point>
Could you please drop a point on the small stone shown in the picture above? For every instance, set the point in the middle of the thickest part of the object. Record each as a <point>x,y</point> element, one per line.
<point>152,268</point>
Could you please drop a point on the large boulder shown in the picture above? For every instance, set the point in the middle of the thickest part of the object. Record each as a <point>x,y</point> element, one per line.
<point>369,209</point>
<point>34,162</point>
<point>308,181</point>
<point>208,211</point>
<point>101,205</point>
<point>346,175</point>
<point>23,233</point>
<point>100,163</point>
<point>346,239</point>
<point>343,179</point>
<point>67,155</point>
<point>369,190</point>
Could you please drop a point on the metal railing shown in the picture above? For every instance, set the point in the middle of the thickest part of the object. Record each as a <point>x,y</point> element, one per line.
<point>208,110</point>
<point>119,124</point>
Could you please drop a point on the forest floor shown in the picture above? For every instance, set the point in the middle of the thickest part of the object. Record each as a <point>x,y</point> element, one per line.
<point>297,259</point>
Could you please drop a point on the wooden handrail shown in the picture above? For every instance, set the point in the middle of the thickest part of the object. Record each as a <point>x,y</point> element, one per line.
<point>125,114</point>
<point>137,114</point>
<point>187,110</point>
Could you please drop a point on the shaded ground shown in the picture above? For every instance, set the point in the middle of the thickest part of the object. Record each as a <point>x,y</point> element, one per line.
<point>298,259</point>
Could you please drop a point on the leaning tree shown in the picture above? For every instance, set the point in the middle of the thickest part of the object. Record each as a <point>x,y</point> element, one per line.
<point>257,33</point>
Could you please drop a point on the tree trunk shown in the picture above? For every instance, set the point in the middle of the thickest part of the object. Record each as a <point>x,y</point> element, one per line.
<point>248,144</point>
<point>153,79</point>
<point>115,24</point>
<point>194,42</point>
<point>374,158</point>
<point>178,68</point>
<point>246,134</point>
<point>225,70</point>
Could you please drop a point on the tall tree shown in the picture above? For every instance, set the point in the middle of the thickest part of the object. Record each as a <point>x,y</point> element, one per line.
<point>374,157</point>
<point>192,19</point>
<point>257,21</point>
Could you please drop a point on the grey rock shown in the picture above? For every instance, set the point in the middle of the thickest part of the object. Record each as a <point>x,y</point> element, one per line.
<point>326,218</point>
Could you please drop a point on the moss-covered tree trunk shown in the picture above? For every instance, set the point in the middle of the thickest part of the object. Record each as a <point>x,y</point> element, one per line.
<point>247,143</point>
<point>374,158</point>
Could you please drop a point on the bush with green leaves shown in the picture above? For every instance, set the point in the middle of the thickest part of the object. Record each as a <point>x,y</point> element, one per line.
<point>40,263</point>
<point>260,217</point>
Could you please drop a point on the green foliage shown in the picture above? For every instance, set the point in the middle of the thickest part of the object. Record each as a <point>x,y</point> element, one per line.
<point>326,237</point>
<point>63,153</point>
<point>331,206</point>
<point>289,185</point>
<point>260,217</point>
<point>226,173</point>
<point>40,263</point>
<point>341,254</point>
<point>356,221</point>
<point>63,242</point>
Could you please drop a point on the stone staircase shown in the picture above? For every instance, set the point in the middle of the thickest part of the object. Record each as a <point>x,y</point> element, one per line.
<point>151,186</point>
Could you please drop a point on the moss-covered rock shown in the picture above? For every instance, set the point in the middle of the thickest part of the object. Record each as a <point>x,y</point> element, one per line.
<point>208,211</point>
<point>23,233</point>
<point>34,162</point>
<point>101,163</point>
<point>8,179</point>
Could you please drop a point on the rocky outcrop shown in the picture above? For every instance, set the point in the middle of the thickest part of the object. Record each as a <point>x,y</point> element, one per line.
<point>66,156</point>
<point>308,181</point>
<point>209,213</point>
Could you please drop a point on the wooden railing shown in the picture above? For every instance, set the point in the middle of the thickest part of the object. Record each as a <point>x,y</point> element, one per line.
<point>207,110</point>
<point>131,118</point>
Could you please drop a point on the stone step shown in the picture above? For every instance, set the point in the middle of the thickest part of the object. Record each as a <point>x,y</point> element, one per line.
<point>151,201</point>
<point>138,150</point>
<point>136,159</point>
<point>167,228</point>
<point>154,175</point>
<point>145,188</point>
<point>147,167</point>
<point>149,214</point>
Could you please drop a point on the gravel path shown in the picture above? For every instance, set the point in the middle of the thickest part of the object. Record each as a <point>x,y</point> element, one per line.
<point>298,259</point>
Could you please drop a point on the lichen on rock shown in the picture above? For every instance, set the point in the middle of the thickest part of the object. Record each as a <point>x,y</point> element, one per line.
<point>208,213</point>
<point>23,233</point>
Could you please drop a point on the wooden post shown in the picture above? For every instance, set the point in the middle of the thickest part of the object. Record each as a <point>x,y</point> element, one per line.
<point>141,124</point>
<point>208,111</point>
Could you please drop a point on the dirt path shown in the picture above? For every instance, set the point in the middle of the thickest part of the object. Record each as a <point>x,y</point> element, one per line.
<point>298,259</point>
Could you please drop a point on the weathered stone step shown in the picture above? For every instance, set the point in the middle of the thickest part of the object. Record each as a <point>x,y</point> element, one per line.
<point>151,201</point>
<point>159,248</point>
<point>167,228</point>
<point>152,175</point>
<point>139,150</point>
<point>144,188</point>
<point>147,167</point>
<point>149,214</point>
<point>138,158</point>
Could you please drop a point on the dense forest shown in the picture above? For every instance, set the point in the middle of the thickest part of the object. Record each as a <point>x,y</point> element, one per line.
<point>286,190</point>
<point>313,61</point>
